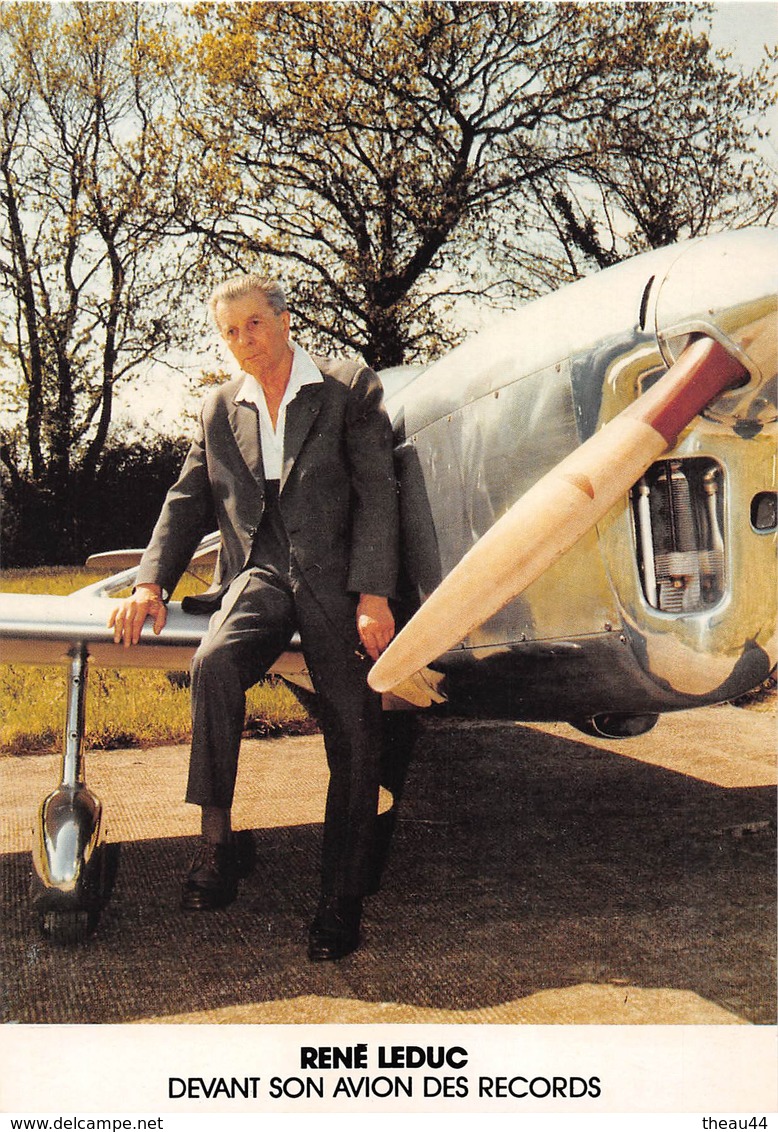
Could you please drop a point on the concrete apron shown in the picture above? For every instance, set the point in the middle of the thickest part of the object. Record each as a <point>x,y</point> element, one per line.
<point>468,934</point>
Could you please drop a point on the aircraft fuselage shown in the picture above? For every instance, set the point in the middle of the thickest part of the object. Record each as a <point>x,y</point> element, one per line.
<point>670,602</point>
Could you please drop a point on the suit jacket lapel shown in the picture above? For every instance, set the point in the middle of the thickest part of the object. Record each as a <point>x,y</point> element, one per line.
<point>300,415</point>
<point>245,426</point>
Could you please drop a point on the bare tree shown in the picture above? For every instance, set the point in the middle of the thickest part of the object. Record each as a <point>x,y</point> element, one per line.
<point>87,189</point>
<point>396,157</point>
<point>680,154</point>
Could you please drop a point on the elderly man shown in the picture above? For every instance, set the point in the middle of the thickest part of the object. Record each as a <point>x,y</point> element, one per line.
<point>295,457</point>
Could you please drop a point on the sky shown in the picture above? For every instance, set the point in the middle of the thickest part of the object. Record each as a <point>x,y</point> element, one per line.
<point>745,27</point>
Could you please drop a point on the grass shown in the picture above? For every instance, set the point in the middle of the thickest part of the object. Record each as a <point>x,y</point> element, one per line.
<point>124,708</point>
<point>48,580</point>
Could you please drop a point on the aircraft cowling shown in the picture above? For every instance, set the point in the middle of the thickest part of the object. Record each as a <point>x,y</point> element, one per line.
<point>700,611</point>
<point>487,416</point>
<point>558,510</point>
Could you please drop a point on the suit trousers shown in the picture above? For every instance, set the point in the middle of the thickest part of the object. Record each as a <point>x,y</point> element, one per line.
<point>263,609</point>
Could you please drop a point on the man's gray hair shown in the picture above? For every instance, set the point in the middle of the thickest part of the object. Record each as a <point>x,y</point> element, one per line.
<point>248,283</point>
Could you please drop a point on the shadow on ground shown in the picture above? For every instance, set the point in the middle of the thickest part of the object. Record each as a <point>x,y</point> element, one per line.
<point>521,862</point>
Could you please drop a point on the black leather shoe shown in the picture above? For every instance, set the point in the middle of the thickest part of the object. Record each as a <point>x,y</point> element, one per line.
<point>212,880</point>
<point>335,928</point>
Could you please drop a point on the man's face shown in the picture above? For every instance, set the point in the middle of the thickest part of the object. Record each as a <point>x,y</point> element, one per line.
<point>257,336</point>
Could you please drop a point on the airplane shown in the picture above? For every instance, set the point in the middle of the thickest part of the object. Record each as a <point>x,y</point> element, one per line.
<point>589,519</point>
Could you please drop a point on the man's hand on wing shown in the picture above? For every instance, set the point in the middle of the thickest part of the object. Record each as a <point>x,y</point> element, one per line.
<point>375,624</point>
<point>128,619</point>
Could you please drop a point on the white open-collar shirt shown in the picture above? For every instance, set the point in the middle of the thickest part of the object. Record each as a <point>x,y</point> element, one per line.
<point>304,372</point>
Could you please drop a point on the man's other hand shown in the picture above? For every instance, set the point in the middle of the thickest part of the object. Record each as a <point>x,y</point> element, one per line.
<point>128,619</point>
<point>375,624</point>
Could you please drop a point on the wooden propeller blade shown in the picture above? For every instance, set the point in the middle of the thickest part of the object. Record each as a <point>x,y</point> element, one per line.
<point>557,511</point>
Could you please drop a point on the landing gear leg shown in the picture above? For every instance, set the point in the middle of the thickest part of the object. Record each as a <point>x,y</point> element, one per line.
<point>71,865</point>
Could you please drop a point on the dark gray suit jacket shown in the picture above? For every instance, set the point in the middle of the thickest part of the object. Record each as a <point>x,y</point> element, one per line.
<point>338,490</point>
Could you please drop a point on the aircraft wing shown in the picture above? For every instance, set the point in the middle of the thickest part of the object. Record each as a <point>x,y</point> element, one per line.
<point>50,629</point>
<point>118,560</point>
<point>44,628</point>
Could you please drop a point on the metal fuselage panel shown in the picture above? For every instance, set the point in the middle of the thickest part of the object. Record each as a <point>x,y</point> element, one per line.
<point>713,652</point>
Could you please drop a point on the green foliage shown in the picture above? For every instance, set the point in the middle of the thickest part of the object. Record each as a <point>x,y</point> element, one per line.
<point>116,509</point>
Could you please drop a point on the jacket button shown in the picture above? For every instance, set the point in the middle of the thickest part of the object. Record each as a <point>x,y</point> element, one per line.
<point>251,531</point>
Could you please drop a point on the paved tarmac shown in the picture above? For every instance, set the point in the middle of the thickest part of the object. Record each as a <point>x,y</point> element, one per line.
<point>536,876</point>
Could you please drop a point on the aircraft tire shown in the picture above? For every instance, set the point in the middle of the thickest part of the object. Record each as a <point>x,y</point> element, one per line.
<point>69,927</point>
<point>616,725</point>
